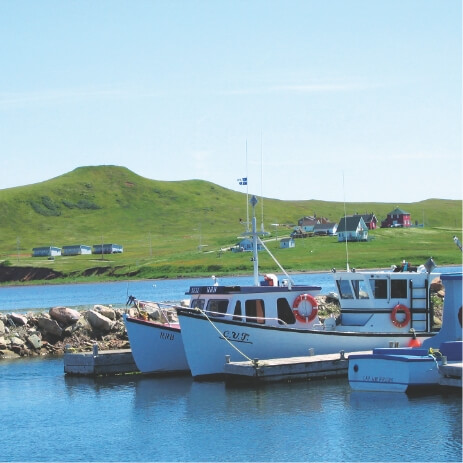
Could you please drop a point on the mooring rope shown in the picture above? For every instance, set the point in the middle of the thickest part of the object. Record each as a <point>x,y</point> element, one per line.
<point>221,334</point>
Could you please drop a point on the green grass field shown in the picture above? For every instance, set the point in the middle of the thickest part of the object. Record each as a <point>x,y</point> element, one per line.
<point>162,224</point>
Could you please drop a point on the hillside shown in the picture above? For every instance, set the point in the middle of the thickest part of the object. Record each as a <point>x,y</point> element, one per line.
<point>161,224</point>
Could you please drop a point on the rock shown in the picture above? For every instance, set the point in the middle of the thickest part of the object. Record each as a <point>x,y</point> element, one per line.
<point>82,325</point>
<point>99,322</point>
<point>35,341</point>
<point>436,285</point>
<point>15,341</point>
<point>64,316</point>
<point>2,327</point>
<point>8,354</point>
<point>18,319</point>
<point>50,326</point>
<point>2,343</point>
<point>107,312</point>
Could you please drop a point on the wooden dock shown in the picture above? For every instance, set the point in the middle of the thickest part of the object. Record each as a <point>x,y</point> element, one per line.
<point>293,368</point>
<point>451,375</point>
<point>97,363</point>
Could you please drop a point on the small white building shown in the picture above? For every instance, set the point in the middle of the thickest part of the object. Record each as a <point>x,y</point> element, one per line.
<point>46,251</point>
<point>108,248</point>
<point>75,250</point>
<point>286,243</point>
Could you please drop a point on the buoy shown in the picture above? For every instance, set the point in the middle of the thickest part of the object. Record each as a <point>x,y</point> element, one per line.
<point>414,342</point>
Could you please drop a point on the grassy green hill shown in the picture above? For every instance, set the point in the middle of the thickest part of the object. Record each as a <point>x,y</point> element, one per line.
<point>162,224</point>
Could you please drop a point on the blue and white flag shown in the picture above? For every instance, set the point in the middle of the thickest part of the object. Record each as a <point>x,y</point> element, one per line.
<point>243,181</point>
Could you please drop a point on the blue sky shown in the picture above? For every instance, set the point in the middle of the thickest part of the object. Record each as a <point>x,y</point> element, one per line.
<point>318,90</point>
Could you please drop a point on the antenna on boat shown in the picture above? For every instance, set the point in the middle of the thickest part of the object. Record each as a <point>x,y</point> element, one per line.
<point>262,183</point>
<point>255,257</point>
<point>345,222</point>
<point>247,189</point>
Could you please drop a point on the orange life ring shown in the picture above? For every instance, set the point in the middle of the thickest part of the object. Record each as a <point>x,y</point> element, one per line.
<point>400,308</point>
<point>305,298</point>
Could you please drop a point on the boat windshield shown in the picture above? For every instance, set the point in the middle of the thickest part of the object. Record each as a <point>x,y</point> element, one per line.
<point>197,304</point>
<point>345,289</point>
<point>360,289</point>
<point>217,307</point>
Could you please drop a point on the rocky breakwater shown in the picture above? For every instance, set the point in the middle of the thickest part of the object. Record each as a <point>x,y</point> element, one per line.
<point>36,334</point>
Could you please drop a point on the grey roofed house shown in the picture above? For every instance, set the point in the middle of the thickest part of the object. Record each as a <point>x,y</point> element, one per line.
<point>329,228</point>
<point>352,228</point>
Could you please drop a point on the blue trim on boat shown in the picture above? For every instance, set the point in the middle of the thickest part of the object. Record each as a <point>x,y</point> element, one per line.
<point>208,290</point>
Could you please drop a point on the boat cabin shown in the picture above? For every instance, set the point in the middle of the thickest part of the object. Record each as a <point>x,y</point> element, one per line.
<point>268,304</point>
<point>400,298</point>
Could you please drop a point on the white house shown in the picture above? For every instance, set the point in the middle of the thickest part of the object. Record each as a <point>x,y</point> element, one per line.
<point>352,228</point>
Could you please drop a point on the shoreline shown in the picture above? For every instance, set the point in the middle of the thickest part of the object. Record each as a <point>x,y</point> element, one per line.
<point>33,283</point>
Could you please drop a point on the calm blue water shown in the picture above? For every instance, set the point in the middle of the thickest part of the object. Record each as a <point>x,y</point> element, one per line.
<point>74,295</point>
<point>23,298</point>
<point>46,416</point>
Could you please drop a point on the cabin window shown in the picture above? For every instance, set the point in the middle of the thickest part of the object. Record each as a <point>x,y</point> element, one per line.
<point>360,289</point>
<point>217,306</point>
<point>345,289</point>
<point>197,304</point>
<point>285,313</point>
<point>255,311</point>
<point>379,288</point>
<point>398,289</point>
<point>237,313</point>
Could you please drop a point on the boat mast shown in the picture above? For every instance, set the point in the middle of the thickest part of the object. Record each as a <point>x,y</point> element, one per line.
<point>247,190</point>
<point>262,183</point>
<point>255,258</point>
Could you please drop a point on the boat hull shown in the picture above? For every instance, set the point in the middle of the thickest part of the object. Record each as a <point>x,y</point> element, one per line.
<point>156,348</point>
<point>393,370</point>
<point>207,343</point>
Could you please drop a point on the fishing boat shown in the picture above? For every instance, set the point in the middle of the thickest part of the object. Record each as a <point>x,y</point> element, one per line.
<point>155,338</point>
<point>276,318</point>
<point>409,369</point>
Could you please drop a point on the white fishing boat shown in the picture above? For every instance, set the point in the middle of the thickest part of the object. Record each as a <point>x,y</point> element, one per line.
<point>403,370</point>
<point>276,318</point>
<point>155,338</point>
